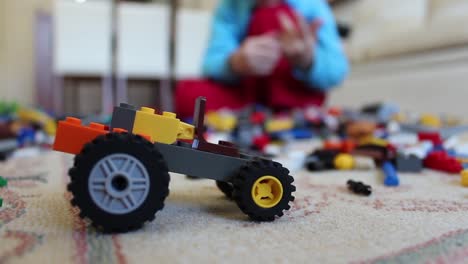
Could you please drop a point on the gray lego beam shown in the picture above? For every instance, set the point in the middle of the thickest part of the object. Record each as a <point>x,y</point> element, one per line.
<point>200,164</point>
<point>123,117</point>
<point>408,163</point>
<point>8,145</point>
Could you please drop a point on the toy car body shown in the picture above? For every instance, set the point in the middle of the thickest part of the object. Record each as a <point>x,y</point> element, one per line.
<point>120,176</point>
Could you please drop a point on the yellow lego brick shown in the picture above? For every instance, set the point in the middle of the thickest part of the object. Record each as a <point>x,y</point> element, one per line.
<point>374,141</point>
<point>430,121</point>
<point>221,122</point>
<point>344,162</point>
<point>281,124</point>
<point>464,178</point>
<point>165,128</point>
<point>29,115</point>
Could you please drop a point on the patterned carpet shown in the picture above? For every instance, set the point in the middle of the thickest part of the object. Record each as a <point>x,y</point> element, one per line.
<point>425,220</point>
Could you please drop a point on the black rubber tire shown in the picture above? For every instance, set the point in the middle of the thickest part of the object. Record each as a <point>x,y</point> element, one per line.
<point>226,188</point>
<point>246,178</point>
<point>109,144</point>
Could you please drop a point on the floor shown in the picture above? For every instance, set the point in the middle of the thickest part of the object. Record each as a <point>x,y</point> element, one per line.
<point>422,221</point>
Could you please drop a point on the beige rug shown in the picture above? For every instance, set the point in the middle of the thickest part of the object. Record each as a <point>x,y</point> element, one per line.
<point>423,221</point>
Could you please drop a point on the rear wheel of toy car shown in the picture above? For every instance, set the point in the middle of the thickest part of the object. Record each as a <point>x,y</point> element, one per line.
<point>263,190</point>
<point>119,181</point>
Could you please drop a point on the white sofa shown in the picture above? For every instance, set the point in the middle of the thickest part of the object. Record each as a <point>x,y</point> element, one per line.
<point>413,53</point>
<point>387,28</point>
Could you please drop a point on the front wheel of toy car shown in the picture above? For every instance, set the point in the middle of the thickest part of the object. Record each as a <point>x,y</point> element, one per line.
<point>119,181</point>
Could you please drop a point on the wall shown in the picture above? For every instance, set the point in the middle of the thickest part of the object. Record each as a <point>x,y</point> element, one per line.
<point>17,48</point>
<point>199,4</point>
<point>17,45</point>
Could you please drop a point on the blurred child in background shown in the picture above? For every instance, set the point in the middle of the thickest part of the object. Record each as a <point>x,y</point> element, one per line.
<point>280,53</point>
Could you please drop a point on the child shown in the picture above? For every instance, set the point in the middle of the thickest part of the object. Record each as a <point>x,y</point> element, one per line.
<point>281,53</point>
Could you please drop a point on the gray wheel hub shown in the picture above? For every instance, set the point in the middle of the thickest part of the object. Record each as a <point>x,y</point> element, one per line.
<point>119,184</point>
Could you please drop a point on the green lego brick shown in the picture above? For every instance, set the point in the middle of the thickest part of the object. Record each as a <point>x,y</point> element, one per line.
<point>3,182</point>
<point>1,202</point>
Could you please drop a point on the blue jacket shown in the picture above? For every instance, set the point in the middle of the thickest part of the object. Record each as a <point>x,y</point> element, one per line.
<point>230,25</point>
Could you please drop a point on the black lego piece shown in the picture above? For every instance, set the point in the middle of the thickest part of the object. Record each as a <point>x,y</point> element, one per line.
<point>321,160</point>
<point>359,188</point>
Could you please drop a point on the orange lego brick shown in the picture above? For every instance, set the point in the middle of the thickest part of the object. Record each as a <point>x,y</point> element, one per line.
<point>119,130</point>
<point>72,135</point>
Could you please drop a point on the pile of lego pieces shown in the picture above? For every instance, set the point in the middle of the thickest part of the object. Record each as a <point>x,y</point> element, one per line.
<point>22,128</point>
<point>378,135</point>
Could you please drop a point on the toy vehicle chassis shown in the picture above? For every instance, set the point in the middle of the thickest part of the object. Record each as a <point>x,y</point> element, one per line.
<point>120,180</point>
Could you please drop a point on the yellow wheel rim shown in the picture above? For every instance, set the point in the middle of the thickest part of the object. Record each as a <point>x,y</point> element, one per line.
<point>267,191</point>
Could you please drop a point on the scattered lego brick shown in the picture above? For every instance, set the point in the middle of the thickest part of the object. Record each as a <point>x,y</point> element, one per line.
<point>441,161</point>
<point>391,176</point>
<point>464,178</point>
<point>345,146</point>
<point>430,120</point>
<point>261,142</point>
<point>1,202</point>
<point>3,182</point>
<point>408,163</point>
<point>321,160</point>
<point>359,188</point>
<point>344,162</point>
<point>364,163</point>
<point>434,137</point>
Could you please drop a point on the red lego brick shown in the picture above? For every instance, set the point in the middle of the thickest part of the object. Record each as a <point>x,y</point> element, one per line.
<point>434,137</point>
<point>345,146</point>
<point>72,136</point>
<point>258,118</point>
<point>261,141</point>
<point>441,161</point>
<point>335,111</point>
<point>332,145</point>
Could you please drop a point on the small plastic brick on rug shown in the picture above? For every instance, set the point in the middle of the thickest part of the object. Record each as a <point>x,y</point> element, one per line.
<point>359,188</point>
<point>3,182</point>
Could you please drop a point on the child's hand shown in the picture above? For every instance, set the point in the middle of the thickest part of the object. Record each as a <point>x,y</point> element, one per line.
<point>298,44</point>
<point>257,55</point>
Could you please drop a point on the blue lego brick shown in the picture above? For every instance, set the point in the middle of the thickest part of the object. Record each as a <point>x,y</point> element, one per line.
<point>295,133</point>
<point>25,136</point>
<point>302,133</point>
<point>391,176</point>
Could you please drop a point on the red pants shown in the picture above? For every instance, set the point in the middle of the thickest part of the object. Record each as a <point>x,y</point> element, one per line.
<point>279,91</point>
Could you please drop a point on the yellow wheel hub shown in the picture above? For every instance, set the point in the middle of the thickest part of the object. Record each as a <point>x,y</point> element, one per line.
<point>267,191</point>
